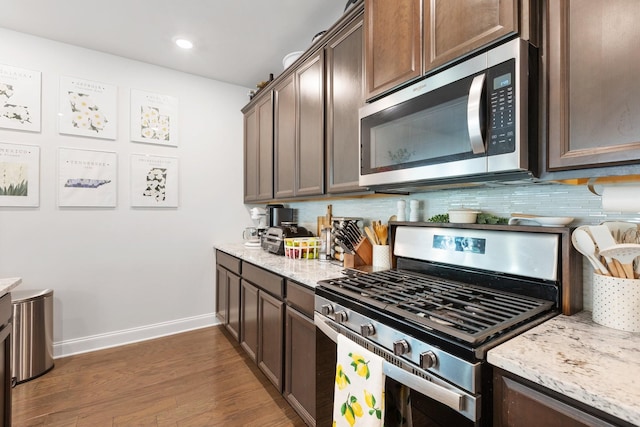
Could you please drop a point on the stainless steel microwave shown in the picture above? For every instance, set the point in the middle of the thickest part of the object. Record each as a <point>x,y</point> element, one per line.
<point>469,122</point>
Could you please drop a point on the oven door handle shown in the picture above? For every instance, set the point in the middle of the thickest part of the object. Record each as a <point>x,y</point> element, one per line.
<point>430,389</point>
<point>436,392</point>
<point>474,107</point>
<point>325,327</point>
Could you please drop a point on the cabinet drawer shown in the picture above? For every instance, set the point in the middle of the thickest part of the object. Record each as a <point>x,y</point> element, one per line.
<point>270,282</point>
<point>300,297</point>
<point>229,262</point>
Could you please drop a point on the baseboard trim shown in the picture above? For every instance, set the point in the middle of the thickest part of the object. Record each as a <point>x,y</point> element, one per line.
<point>129,336</point>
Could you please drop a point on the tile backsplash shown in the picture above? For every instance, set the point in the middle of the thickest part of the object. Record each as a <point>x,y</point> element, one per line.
<point>546,199</point>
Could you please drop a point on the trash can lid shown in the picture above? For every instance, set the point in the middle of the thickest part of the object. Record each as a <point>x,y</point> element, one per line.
<point>26,295</point>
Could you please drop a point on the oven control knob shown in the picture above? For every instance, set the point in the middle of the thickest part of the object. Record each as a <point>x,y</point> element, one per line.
<point>341,316</point>
<point>428,360</point>
<point>400,347</point>
<point>326,309</point>
<point>367,330</point>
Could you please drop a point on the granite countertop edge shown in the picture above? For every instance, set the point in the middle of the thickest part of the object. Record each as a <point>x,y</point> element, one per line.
<point>572,355</point>
<point>8,284</point>
<point>304,271</point>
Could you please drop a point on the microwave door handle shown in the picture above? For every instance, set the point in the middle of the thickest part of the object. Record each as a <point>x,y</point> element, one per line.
<point>473,114</point>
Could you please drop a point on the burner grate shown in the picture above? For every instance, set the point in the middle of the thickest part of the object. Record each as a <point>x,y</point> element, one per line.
<point>468,312</point>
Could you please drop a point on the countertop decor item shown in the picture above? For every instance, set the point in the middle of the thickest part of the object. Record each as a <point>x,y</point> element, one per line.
<point>545,221</point>
<point>463,216</point>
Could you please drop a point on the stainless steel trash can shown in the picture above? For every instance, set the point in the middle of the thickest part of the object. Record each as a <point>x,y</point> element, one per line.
<point>32,338</point>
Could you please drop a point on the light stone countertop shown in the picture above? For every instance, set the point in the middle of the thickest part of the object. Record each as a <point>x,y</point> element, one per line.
<point>6,285</point>
<point>305,271</point>
<point>578,358</point>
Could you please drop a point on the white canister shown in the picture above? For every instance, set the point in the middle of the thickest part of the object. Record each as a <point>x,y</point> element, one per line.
<point>381,256</point>
<point>616,302</point>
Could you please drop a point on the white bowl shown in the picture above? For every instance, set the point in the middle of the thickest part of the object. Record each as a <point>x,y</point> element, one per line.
<point>291,58</point>
<point>463,216</point>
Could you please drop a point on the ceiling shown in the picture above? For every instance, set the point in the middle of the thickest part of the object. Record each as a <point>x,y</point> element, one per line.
<point>235,41</point>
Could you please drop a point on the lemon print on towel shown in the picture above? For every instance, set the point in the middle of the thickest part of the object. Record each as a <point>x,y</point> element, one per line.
<point>342,380</point>
<point>360,365</point>
<point>371,403</point>
<point>351,409</point>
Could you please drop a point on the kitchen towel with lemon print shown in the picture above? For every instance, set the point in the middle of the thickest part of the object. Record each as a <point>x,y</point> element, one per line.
<point>359,389</point>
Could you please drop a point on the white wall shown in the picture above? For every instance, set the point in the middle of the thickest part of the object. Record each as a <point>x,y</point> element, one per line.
<point>125,274</point>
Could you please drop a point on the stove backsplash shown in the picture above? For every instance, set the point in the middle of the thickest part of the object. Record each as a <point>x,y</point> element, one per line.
<point>502,200</point>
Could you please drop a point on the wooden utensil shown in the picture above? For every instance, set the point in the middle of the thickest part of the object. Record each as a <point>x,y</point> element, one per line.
<point>604,239</point>
<point>371,235</point>
<point>625,253</point>
<point>381,232</point>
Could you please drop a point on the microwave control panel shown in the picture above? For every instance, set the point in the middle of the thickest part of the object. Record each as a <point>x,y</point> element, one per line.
<point>502,109</point>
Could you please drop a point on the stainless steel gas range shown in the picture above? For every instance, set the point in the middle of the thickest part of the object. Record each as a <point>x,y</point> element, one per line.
<point>453,294</point>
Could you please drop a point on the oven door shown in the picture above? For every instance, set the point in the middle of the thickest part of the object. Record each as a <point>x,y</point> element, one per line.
<point>459,122</point>
<point>447,402</point>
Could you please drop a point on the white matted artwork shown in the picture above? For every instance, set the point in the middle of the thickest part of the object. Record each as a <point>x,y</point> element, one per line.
<point>154,118</point>
<point>87,178</point>
<point>20,98</point>
<point>19,175</point>
<point>154,181</point>
<point>88,108</point>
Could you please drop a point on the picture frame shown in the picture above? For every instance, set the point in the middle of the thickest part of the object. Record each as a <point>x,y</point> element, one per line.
<point>154,118</point>
<point>154,181</point>
<point>87,178</point>
<point>19,175</point>
<point>88,108</point>
<point>20,98</point>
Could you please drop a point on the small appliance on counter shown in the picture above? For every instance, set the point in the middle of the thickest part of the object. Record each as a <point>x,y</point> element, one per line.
<point>277,214</point>
<point>273,239</point>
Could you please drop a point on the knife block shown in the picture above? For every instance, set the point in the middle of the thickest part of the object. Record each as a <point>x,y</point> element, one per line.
<point>363,255</point>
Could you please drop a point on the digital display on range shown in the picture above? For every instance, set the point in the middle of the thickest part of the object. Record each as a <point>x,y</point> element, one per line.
<point>502,81</point>
<point>459,244</point>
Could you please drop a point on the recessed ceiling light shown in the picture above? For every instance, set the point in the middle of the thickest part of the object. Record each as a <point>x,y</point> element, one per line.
<point>184,43</point>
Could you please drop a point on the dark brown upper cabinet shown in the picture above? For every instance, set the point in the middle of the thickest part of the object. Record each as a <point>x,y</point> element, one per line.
<point>592,76</point>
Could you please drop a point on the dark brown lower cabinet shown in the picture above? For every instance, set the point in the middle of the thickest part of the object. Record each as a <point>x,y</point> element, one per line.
<point>249,319</point>
<point>5,360</point>
<point>228,269</point>
<point>300,352</point>
<point>270,321</point>
<point>520,403</point>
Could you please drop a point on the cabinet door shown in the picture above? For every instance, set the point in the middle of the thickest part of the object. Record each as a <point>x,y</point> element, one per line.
<point>233,313</point>
<point>249,319</point>
<point>453,28</point>
<point>310,138</point>
<point>222,301</point>
<point>251,144</point>
<point>270,332</point>
<point>345,96</point>
<point>392,43</point>
<point>285,138</point>
<point>300,363</point>
<point>517,405</point>
<point>594,96</point>
<point>258,150</point>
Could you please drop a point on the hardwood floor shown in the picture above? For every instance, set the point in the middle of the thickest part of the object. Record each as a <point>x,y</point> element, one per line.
<point>197,378</point>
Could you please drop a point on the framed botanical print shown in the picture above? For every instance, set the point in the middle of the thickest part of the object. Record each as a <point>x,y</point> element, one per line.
<point>154,118</point>
<point>19,175</point>
<point>20,92</point>
<point>154,181</point>
<point>88,108</point>
<point>87,178</point>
